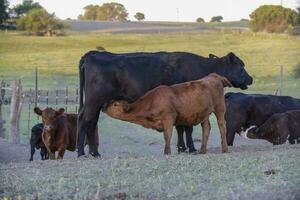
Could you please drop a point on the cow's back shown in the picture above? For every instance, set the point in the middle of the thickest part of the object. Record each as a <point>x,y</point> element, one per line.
<point>258,107</point>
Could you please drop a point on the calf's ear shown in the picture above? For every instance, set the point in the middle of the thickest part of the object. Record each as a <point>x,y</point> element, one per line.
<point>60,111</point>
<point>38,111</point>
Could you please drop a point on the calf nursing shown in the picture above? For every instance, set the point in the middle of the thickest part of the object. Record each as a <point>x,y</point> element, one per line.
<point>187,104</point>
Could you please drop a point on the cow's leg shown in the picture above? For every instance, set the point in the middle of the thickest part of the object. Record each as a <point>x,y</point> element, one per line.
<point>167,137</point>
<point>32,150</point>
<point>205,133</point>
<point>43,153</point>
<point>61,153</point>
<point>87,121</point>
<point>180,141</point>
<point>222,127</point>
<point>51,155</point>
<point>189,138</point>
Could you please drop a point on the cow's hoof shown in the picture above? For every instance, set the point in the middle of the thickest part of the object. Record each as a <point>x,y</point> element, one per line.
<point>225,151</point>
<point>192,150</point>
<point>95,154</point>
<point>202,151</point>
<point>181,149</point>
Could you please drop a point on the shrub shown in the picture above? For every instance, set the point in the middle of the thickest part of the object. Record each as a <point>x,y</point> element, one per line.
<point>200,20</point>
<point>40,22</point>
<point>273,19</point>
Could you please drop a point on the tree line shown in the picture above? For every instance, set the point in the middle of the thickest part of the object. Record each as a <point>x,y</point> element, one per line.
<point>33,18</point>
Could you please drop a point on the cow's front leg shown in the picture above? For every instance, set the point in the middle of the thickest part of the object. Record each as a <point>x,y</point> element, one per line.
<point>51,155</point>
<point>180,141</point>
<point>61,153</point>
<point>222,128</point>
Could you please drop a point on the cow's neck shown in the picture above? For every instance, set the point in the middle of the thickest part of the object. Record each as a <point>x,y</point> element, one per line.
<point>217,65</point>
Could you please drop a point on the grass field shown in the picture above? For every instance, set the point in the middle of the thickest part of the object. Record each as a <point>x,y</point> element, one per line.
<point>57,57</point>
<point>246,173</point>
<point>133,165</point>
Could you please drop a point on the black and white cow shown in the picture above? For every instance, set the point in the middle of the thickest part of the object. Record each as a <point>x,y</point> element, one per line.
<point>246,110</point>
<point>278,129</point>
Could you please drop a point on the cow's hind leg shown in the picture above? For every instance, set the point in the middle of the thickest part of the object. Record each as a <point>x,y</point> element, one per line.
<point>32,150</point>
<point>189,138</point>
<point>222,127</point>
<point>87,122</point>
<point>167,137</point>
<point>180,141</point>
<point>205,133</point>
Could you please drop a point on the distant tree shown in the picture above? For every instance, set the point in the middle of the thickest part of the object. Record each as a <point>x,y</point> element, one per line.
<point>23,8</point>
<point>272,18</point>
<point>139,16</point>
<point>40,22</point>
<point>3,11</point>
<point>244,20</point>
<point>200,20</point>
<point>216,19</point>
<point>90,12</point>
<point>106,12</point>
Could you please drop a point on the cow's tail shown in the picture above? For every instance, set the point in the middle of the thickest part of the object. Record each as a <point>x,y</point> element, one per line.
<point>81,81</point>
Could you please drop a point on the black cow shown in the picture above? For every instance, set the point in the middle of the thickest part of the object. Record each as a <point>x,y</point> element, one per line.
<point>36,142</point>
<point>106,76</point>
<point>278,128</point>
<point>245,110</point>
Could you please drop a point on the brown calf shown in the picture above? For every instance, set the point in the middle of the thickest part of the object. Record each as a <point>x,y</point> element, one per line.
<point>60,131</point>
<point>187,104</point>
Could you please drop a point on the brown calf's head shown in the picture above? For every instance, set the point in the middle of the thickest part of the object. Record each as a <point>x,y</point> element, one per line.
<point>49,116</point>
<point>117,107</point>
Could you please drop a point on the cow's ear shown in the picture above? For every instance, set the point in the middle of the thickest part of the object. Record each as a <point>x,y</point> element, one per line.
<point>212,56</point>
<point>38,111</point>
<point>60,111</point>
<point>231,57</point>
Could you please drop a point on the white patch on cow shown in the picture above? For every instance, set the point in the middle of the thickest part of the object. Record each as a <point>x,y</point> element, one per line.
<point>245,132</point>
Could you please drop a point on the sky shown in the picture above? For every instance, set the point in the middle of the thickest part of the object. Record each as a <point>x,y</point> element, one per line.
<point>167,10</point>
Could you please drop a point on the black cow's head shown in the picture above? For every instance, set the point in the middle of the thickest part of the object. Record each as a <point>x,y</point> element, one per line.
<point>236,73</point>
<point>267,131</point>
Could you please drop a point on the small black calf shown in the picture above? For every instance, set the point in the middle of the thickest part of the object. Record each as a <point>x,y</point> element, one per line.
<point>36,142</point>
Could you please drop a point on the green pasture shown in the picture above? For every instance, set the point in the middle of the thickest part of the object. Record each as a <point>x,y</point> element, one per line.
<point>57,57</point>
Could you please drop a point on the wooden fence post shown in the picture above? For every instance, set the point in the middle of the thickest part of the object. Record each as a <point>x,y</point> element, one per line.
<point>2,94</point>
<point>36,87</point>
<point>16,105</point>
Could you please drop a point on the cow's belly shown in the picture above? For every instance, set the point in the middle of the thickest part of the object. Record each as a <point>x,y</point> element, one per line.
<point>191,119</point>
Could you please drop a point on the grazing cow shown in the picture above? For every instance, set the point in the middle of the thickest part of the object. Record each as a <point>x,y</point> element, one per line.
<point>105,76</point>
<point>185,104</point>
<point>245,110</point>
<point>36,142</point>
<point>278,128</point>
<point>60,131</point>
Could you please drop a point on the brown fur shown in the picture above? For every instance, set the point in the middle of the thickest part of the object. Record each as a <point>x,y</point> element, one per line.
<point>187,104</point>
<point>60,131</point>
